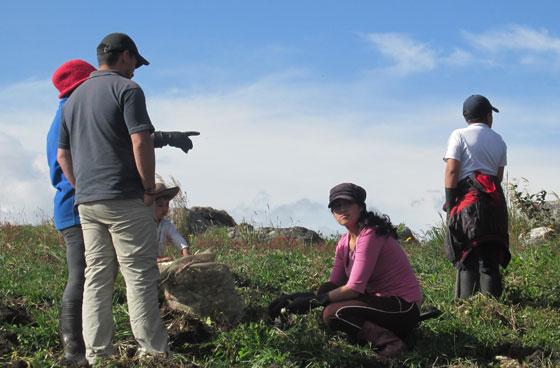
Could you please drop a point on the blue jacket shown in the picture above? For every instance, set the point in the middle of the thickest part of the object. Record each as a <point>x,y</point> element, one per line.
<point>65,213</point>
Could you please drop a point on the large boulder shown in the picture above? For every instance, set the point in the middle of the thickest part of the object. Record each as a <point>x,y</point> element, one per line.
<point>266,234</point>
<point>201,288</point>
<point>196,220</point>
<point>537,235</point>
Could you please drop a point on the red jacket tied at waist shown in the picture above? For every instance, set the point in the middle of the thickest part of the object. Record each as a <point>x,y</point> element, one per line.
<point>479,218</point>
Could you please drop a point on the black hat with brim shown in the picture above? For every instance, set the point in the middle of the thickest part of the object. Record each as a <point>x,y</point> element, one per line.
<point>348,191</point>
<point>477,107</point>
<point>116,42</point>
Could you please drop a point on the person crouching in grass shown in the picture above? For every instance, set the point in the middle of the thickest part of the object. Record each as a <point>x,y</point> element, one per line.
<point>372,294</point>
<point>166,231</point>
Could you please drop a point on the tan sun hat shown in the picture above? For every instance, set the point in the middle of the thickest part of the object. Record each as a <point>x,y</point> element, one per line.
<point>162,191</point>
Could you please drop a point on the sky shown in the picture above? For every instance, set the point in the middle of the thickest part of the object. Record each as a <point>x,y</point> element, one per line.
<point>294,97</point>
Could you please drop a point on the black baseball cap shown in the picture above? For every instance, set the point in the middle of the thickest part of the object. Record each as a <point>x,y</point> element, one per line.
<point>477,107</point>
<point>120,42</point>
<point>348,191</point>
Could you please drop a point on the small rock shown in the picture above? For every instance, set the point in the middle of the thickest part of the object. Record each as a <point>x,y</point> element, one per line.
<point>537,235</point>
<point>407,236</point>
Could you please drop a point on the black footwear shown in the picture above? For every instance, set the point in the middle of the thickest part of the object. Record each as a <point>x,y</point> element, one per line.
<point>70,324</point>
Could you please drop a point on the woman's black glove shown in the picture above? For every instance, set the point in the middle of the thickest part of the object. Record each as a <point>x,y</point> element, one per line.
<point>174,139</point>
<point>275,307</point>
<point>303,304</point>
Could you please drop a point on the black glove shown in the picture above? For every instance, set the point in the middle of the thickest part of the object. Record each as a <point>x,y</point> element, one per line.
<point>174,139</point>
<point>275,307</point>
<point>303,304</point>
<point>450,198</point>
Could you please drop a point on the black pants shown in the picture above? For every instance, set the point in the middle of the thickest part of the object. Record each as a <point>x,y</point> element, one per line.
<point>479,271</point>
<point>392,313</point>
<point>75,258</point>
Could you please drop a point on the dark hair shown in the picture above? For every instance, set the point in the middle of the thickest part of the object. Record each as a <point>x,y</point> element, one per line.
<point>109,58</point>
<point>381,223</point>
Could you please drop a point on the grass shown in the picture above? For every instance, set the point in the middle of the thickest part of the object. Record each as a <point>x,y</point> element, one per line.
<point>524,325</point>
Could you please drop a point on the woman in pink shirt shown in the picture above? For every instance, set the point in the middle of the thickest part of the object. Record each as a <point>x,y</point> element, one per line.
<point>372,293</point>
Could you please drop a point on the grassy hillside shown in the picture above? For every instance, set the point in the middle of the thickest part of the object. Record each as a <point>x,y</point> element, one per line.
<point>521,329</point>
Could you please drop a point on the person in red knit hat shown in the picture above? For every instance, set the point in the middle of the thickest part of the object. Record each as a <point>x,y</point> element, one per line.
<point>69,76</point>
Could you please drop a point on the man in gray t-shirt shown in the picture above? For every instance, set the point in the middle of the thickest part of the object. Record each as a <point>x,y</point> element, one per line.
<point>106,151</point>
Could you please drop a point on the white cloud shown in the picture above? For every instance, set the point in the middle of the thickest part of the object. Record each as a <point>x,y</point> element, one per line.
<point>518,44</point>
<point>458,57</point>
<point>409,56</point>
<point>515,37</point>
<point>513,44</point>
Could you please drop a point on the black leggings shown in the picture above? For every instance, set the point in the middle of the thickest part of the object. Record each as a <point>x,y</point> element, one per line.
<point>392,313</point>
<point>75,258</point>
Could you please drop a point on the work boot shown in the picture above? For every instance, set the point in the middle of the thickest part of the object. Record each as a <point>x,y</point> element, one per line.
<point>386,342</point>
<point>491,284</point>
<point>70,325</point>
<point>466,284</point>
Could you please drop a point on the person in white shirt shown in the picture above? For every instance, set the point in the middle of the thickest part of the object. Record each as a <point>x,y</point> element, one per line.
<point>166,231</point>
<point>477,241</point>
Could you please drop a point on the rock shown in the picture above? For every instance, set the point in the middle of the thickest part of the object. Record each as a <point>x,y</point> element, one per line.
<point>537,235</point>
<point>201,288</point>
<point>196,220</point>
<point>266,234</point>
<point>406,235</point>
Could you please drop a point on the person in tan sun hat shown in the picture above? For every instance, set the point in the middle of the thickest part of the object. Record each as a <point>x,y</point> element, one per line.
<point>166,230</point>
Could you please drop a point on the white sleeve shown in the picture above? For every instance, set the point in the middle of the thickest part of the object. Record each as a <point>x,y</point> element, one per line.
<point>503,160</point>
<point>453,146</point>
<point>174,237</point>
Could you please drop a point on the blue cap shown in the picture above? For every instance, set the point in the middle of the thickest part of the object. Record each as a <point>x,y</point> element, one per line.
<point>477,107</point>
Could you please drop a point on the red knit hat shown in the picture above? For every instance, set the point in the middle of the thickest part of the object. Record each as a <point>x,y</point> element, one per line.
<point>70,75</point>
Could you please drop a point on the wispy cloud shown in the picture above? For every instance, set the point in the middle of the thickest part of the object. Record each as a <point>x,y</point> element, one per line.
<point>517,38</point>
<point>517,44</point>
<point>513,44</point>
<point>409,56</point>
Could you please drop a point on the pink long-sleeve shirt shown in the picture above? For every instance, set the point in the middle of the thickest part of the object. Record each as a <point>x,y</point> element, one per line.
<point>377,266</point>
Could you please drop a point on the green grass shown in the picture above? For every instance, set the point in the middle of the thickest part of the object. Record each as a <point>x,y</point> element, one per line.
<point>523,325</point>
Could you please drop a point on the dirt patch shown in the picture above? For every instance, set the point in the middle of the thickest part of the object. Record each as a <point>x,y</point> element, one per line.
<point>14,314</point>
<point>8,341</point>
<point>184,329</point>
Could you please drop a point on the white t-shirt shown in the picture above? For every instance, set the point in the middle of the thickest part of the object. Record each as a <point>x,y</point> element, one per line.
<point>478,148</point>
<point>167,233</point>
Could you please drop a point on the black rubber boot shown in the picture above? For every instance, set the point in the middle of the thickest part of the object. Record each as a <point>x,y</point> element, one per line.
<point>491,284</point>
<point>466,284</point>
<point>70,325</point>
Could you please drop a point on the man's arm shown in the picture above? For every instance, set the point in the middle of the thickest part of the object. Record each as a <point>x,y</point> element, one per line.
<point>452,168</point>
<point>144,157</point>
<point>64,159</point>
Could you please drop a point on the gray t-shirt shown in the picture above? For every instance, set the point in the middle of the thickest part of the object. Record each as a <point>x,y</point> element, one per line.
<point>97,121</point>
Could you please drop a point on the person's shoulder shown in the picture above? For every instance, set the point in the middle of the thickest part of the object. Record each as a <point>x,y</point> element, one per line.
<point>164,222</point>
<point>342,241</point>
<point>456,134</point>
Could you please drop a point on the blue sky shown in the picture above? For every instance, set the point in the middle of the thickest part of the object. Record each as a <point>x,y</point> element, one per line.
<point>293,97</point>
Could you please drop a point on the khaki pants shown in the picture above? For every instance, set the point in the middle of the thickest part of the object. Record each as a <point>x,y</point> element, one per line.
<point>120,233</point>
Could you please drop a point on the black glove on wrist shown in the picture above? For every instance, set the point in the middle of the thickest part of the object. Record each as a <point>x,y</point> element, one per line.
<point>450,196</point>
<point>304,304</point>
<point>174,139</point>
<point>275,307</point>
